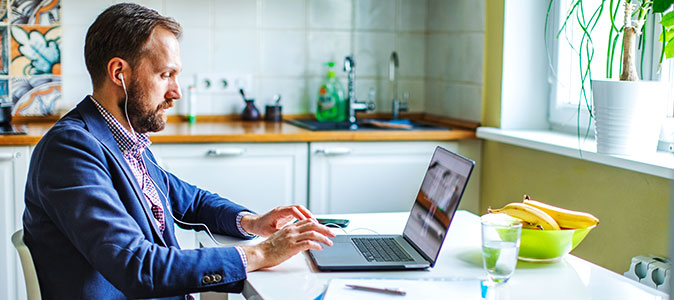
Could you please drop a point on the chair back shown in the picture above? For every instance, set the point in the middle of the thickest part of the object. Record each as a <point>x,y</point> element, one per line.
<point>29,274</point>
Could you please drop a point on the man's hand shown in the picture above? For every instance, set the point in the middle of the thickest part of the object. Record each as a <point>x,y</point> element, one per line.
<point>265,225</point>
<point>285,243</point>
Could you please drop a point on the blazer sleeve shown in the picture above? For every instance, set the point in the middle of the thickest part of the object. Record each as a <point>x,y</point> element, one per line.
<point>75,173</point>
<point>194,205</point>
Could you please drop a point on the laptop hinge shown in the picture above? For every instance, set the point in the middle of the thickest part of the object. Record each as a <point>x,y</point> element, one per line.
<point>423,254</point>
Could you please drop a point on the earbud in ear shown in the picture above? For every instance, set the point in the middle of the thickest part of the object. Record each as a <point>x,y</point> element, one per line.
<point>120,76</point>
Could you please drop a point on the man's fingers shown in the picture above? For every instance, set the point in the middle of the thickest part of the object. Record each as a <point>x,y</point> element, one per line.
<point>314,236</point>
<point>308,225</point>
<point>305,212</point>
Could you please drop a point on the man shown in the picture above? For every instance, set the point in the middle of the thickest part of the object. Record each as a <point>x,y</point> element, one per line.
<point>99,211</point>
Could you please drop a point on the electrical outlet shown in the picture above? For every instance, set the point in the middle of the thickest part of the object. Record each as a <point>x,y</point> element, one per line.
<point>222,83</point>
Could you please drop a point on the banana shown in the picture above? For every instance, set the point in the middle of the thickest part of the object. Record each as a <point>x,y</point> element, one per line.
<point>530,214</point>
<point>566,218</point>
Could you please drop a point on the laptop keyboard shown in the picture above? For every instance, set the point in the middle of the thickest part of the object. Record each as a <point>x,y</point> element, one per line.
<point>381,249</point>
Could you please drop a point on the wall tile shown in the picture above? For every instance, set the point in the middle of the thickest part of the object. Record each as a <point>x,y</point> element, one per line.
<point>74,88</point>
<point>473,15</point>
<point>284,14</point>
<point>411,49</point>
<point>412,15</point>
<point>437,49</point>
<point>324,46</point>
<point>283,53</point>
<point>4,51</point>
<point>440,14</point>
<point>157,5</point>
<point>464,57</point>
<point>235,14</point>
<point>294,94</point>
<point>72,50</point>
<point>330,14</point>
<point>195,49</point>
<point>78,12</point>
<point>190,13</point>
<point>375,14</point>
<point>460,101</point>
<point>35,12</point>
<point>35,96</point>
<point>417,93</point>
<point>236,51</point>
<point>372,53</point>
<point>26,61</point>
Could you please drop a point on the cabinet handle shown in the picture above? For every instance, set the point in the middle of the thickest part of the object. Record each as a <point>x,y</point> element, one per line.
<point>333,151</point>
<point>225,152</point>
<point>7,156</point>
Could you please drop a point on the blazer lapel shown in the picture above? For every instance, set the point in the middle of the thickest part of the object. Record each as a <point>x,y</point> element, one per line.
<point>99,129</point>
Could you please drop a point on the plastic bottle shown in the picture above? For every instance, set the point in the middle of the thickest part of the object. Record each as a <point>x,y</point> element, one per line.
<point>331,102</point>
<point>192,104</point>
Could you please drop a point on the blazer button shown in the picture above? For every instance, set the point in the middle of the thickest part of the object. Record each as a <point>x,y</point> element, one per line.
<point>217,277</point>
<point>206,279</point>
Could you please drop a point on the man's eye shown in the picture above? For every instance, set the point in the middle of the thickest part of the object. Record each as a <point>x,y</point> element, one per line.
<point>165,75</point>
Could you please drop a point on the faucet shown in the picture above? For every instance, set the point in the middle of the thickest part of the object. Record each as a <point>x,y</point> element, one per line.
<point>354,105</point>
<point>398,106</point>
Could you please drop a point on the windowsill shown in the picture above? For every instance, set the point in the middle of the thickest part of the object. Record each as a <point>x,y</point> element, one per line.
<point>658,164</point>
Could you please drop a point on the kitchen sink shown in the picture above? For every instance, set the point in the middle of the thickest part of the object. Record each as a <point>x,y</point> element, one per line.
<point>364,124</point>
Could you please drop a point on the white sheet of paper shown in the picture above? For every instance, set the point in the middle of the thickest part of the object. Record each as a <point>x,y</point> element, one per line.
<point>415,289</point>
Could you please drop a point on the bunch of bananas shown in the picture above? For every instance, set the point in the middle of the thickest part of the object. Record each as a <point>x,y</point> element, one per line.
<point>541,216</point>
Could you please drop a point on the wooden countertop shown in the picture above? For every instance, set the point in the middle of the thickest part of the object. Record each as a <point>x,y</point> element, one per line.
<point>226,129</point>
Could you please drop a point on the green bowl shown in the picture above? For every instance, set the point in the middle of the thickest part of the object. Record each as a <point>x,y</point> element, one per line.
<point>549,245</point>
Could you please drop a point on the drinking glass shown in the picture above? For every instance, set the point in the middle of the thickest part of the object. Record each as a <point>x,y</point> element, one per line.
<point>500,245</point>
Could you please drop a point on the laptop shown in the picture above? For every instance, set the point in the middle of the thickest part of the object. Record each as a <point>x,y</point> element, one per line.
<point>419,245</point>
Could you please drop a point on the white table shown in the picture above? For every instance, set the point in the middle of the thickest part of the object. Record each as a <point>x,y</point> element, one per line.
<point>460,258</point>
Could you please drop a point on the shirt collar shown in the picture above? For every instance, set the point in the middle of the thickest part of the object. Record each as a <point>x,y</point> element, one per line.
<point>125,139</point>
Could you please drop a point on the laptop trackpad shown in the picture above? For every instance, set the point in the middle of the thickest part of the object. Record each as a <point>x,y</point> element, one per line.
<point>341,252</point>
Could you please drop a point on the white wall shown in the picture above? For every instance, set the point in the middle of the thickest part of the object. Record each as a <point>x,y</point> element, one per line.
<point>282,44</point>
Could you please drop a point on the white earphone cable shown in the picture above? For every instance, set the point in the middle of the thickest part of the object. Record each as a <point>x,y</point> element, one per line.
<point>168,186</point>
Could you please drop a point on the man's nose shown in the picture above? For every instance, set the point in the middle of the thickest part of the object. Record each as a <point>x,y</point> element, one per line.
<point>174,90</point>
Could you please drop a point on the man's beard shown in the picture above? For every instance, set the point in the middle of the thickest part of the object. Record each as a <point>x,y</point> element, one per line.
<point>141,118</point>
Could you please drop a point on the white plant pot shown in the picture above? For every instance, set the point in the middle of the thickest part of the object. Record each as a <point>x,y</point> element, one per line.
<point>628,115</point>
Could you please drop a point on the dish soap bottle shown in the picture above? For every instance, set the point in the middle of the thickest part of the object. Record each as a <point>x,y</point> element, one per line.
<point>331,102</point>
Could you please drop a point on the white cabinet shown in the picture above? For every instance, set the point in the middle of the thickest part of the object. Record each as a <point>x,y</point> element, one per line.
<point>259,176</point>
<point>13,170</point>
<point>354,177</point>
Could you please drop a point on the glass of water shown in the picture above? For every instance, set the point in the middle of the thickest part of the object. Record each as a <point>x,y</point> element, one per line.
<point>500,245</point>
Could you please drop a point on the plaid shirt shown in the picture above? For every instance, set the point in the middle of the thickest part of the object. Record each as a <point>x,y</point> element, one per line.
<point>132,148</point>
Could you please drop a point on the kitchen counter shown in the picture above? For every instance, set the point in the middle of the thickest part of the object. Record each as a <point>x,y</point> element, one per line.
<point>210,129</point>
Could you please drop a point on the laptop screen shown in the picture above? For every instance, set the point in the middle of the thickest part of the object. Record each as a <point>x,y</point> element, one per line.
<point>437,200</point>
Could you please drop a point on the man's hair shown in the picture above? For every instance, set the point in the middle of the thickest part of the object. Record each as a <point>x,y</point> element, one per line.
<point>122,31</point>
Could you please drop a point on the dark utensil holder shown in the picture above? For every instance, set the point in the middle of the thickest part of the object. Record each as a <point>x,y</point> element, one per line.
<point>250,112</point>
<point>272,113</point>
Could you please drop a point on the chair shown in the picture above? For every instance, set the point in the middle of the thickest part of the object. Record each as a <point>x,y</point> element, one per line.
<point>32,285</point>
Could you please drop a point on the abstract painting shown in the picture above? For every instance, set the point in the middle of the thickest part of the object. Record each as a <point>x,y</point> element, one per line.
<point>36,12</point>
<point>35,50</point>
<point>35,96</point>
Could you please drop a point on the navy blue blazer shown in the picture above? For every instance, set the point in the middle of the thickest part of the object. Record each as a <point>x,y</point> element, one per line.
<point>92,234</point>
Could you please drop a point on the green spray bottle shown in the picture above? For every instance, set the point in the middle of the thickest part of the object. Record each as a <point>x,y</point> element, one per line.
<point>331,106</point>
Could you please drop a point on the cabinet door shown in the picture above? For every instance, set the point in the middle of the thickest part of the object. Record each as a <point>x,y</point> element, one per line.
<point>13,169</point>
<point>357,177</point>
<point>257,176</point>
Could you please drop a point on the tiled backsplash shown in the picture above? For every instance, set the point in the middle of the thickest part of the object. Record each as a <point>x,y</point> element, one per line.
<point>284,43</point>
<point>30,57</point>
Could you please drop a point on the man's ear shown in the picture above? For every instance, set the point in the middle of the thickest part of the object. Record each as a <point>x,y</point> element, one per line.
<point>115,68</point>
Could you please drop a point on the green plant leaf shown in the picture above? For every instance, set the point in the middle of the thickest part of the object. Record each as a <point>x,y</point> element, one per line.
<point>660,6</point>
<point>669,50</point>
<point>668,19</point>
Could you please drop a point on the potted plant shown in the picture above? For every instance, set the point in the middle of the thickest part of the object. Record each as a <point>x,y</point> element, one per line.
<point>628,113</point>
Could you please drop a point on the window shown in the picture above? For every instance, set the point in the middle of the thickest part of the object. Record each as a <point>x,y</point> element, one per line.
<point>566,63</point>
